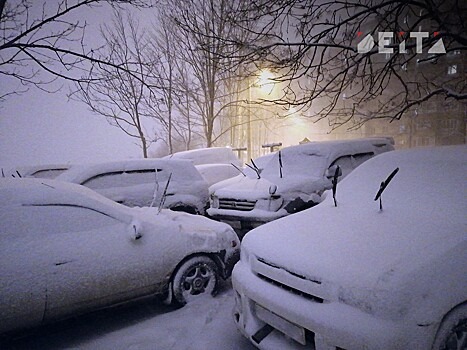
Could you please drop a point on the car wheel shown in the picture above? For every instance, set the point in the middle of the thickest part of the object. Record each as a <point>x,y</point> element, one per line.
<point>195,277</point>
<point>452,334</point>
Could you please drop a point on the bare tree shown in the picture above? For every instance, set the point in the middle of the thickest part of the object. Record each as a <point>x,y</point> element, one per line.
<point>330,57</point>
<point>166,71</point>
<point>120,93</point>
<point>41,42</point>
<point>201,23</point>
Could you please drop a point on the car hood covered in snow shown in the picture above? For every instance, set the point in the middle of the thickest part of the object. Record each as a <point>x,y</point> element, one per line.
<point>187,223</point>
<point>422,226</point>
<point>247,188</point>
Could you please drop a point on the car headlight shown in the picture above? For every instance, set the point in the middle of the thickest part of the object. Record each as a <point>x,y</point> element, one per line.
<point>382,303</point>
<point>214,201</point>
<point>272,203</point>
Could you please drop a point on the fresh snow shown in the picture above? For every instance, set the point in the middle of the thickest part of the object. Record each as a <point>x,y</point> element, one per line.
<point>212,155</point>
<point>301,176</point>
<point>205,324</point>
<point>428,193</point>
<point>394,272</point>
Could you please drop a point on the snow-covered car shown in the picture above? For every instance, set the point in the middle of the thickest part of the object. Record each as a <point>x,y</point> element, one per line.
<point>380,276</point>
<point>210,155</point>
<point>43,171</point>
<point>65,249</point>
<point>215,164</point>
<point>172,184</point>
<point>214,173</point>
<point>290,180</point>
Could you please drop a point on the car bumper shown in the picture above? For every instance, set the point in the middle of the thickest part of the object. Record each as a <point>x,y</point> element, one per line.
<point>322,326</point>
<point>253,216</point>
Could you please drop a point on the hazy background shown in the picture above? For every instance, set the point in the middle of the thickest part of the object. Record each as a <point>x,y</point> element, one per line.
<point>38,127</point>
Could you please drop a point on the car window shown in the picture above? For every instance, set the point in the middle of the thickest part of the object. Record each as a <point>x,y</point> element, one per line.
<point>47,219</point>
<point>361,157</point>
<point>349,162</point>
<point>295,164</point>
<point>48,173</point>
<point>345,163</point>
<point>124,178</point>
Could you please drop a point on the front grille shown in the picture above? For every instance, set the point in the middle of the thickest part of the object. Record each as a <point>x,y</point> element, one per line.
<point>291,289</point>
<point>233,204</point>
<point>291,272</point>
<point>262,273</point>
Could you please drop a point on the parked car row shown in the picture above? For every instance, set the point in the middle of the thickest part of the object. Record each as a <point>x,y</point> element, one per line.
<point>382,267</point>
<point>179,182</point>
<point>291,180</point>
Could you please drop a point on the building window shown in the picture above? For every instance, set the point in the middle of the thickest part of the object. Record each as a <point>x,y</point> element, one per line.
<point>452,69</point>
<point>424,141</point>
<point>423,125</point>
<point>449,124</point>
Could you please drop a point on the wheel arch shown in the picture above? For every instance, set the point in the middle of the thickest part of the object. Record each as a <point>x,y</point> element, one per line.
<point>216,257</point>
<point>452,314</point>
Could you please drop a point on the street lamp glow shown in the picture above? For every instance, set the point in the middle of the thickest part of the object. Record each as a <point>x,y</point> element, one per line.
<point>265,81</point>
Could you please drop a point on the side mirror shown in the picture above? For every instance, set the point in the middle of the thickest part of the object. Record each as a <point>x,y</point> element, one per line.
<point>272,189</point>
<point>136,232</point>
<point>331,171</point>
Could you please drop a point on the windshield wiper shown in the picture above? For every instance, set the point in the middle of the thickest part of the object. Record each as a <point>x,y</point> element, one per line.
<point>383,186</point>
<point>164,194</point>
<point>280,164</point>
<point>334,184</point>
<point>240,170</point>
<point>255,168</point>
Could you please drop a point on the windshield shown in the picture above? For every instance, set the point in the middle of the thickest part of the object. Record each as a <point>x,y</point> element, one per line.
<point>293,164</point>
<point>260,162</point>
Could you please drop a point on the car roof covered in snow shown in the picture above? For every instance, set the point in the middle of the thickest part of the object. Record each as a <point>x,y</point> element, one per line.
<point>337,148</point>
<point>211,155</point>
<point>180,169</point>
<point>311,159</point>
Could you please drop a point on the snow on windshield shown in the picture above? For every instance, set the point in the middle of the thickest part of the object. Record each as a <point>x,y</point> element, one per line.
<point>295,163</point>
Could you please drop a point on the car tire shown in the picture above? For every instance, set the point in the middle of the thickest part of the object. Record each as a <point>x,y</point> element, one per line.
<point>452,333</point>
<point>195,277</point>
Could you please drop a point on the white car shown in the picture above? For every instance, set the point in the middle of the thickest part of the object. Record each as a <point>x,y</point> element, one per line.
<point>210,155</point>
<point>43,171</point>
<point>290,180</point>
<point>385,269</point>
<point>215,164</point>
<point>144,182</point>
<point>65,249</point>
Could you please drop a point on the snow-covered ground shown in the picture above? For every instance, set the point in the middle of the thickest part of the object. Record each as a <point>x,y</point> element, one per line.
<point>206,324</point>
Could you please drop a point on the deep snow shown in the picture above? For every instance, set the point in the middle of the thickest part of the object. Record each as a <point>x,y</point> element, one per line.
<point>206,324</point>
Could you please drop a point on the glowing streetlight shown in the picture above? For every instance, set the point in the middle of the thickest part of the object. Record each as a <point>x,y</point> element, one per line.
<point>266,81</point>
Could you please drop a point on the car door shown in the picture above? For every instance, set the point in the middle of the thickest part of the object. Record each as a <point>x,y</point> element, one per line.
<point>23,270</point>
<point>92,259</point>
